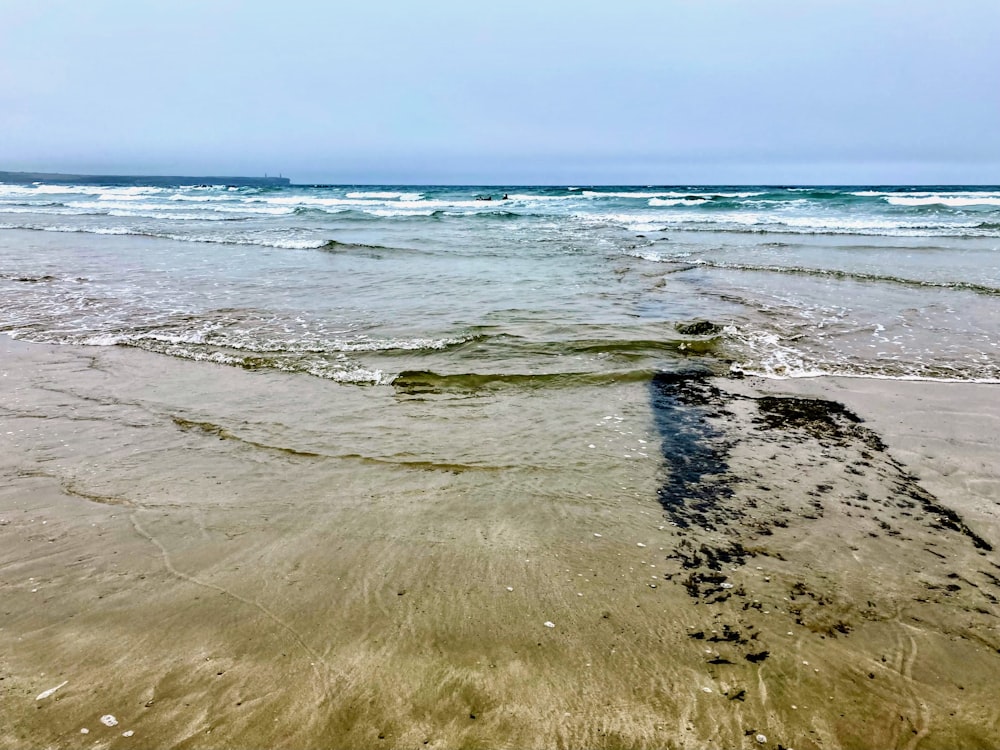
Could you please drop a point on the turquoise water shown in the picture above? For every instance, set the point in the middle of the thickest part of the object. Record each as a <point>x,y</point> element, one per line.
<point>434,290</point>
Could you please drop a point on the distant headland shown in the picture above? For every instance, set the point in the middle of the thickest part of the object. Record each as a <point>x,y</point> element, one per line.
<point>55,178</point>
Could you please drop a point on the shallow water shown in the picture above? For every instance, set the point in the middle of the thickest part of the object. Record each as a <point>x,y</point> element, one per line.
<point>371,285</point>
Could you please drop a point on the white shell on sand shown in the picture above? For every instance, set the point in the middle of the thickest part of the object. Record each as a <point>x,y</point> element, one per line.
<point>549,624</point>
<point>640,544</point>
<point>85,731</point>
<point>129,733</point>
<point>108,720</point>
<point>46,693</point>
<point>761,738</point>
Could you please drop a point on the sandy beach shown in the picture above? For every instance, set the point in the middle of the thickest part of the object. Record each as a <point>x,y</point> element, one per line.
<point>223,558</point>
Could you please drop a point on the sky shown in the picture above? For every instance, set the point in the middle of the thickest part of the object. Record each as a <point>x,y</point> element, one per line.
<point>506,91</point>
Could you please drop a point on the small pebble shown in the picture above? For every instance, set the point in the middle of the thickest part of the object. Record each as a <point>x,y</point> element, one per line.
<point>510,588</point>
<point>597,535</point>
<point>761,739</point>
<point>108,720</point>
<point>706,690</point>
<point>129,733</point>
<point>727,585</point>
<point>549,624</point>
<point>640,544</point>
<point>85,731</point>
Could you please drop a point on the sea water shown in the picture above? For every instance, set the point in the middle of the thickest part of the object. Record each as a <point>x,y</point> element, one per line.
<point>436,289</point>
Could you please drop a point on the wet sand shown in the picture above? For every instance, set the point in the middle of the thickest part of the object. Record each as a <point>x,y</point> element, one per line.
<point>222,558</point>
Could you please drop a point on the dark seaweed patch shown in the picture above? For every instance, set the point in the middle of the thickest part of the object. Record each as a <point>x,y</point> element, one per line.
<point>828,421</point>
<point>694,451</point>
<point>711,557</point>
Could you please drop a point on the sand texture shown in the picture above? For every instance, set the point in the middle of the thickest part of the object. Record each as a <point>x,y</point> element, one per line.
<point>217,558</point>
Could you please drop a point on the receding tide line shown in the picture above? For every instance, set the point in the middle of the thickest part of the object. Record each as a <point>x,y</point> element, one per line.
<point>222,433</point>
<point>847,275</point>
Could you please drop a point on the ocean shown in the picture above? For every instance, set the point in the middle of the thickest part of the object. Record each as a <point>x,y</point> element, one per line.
<point>434,288</point>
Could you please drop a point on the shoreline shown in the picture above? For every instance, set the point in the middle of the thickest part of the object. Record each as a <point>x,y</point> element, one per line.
<point>179,538</point>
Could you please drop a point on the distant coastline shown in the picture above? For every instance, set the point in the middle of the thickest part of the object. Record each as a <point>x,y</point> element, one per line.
<point>57,178</point>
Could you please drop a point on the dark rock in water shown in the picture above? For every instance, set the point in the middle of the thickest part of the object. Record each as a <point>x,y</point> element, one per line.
<point>698,328</point>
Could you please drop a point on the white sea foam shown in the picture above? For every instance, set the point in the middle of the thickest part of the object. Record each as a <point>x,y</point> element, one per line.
<point>298,200</point>
<point>675,202</point>
<point>525,198</point>
<point>632,222</point>
<point>645,253</point>
<point>927,193</point>
<point>389,212</point>
<point>639,195</point>
<point>283,242</point>
<point>200,198</point>
<point>173,216</point>
<point>693,195</point>
<point>766,354</point>
<point>944,200</point>
<point>106,204</point>
<point>783,222</point>
<point>386,195</point>
<point>114,339</point>
<point>46,209</point>
<point>39,189</point>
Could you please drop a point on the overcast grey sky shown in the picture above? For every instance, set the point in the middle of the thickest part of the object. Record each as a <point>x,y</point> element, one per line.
<point>506,91</point>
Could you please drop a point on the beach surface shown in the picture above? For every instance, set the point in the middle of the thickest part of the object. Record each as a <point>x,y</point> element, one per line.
<point>217,557</point>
